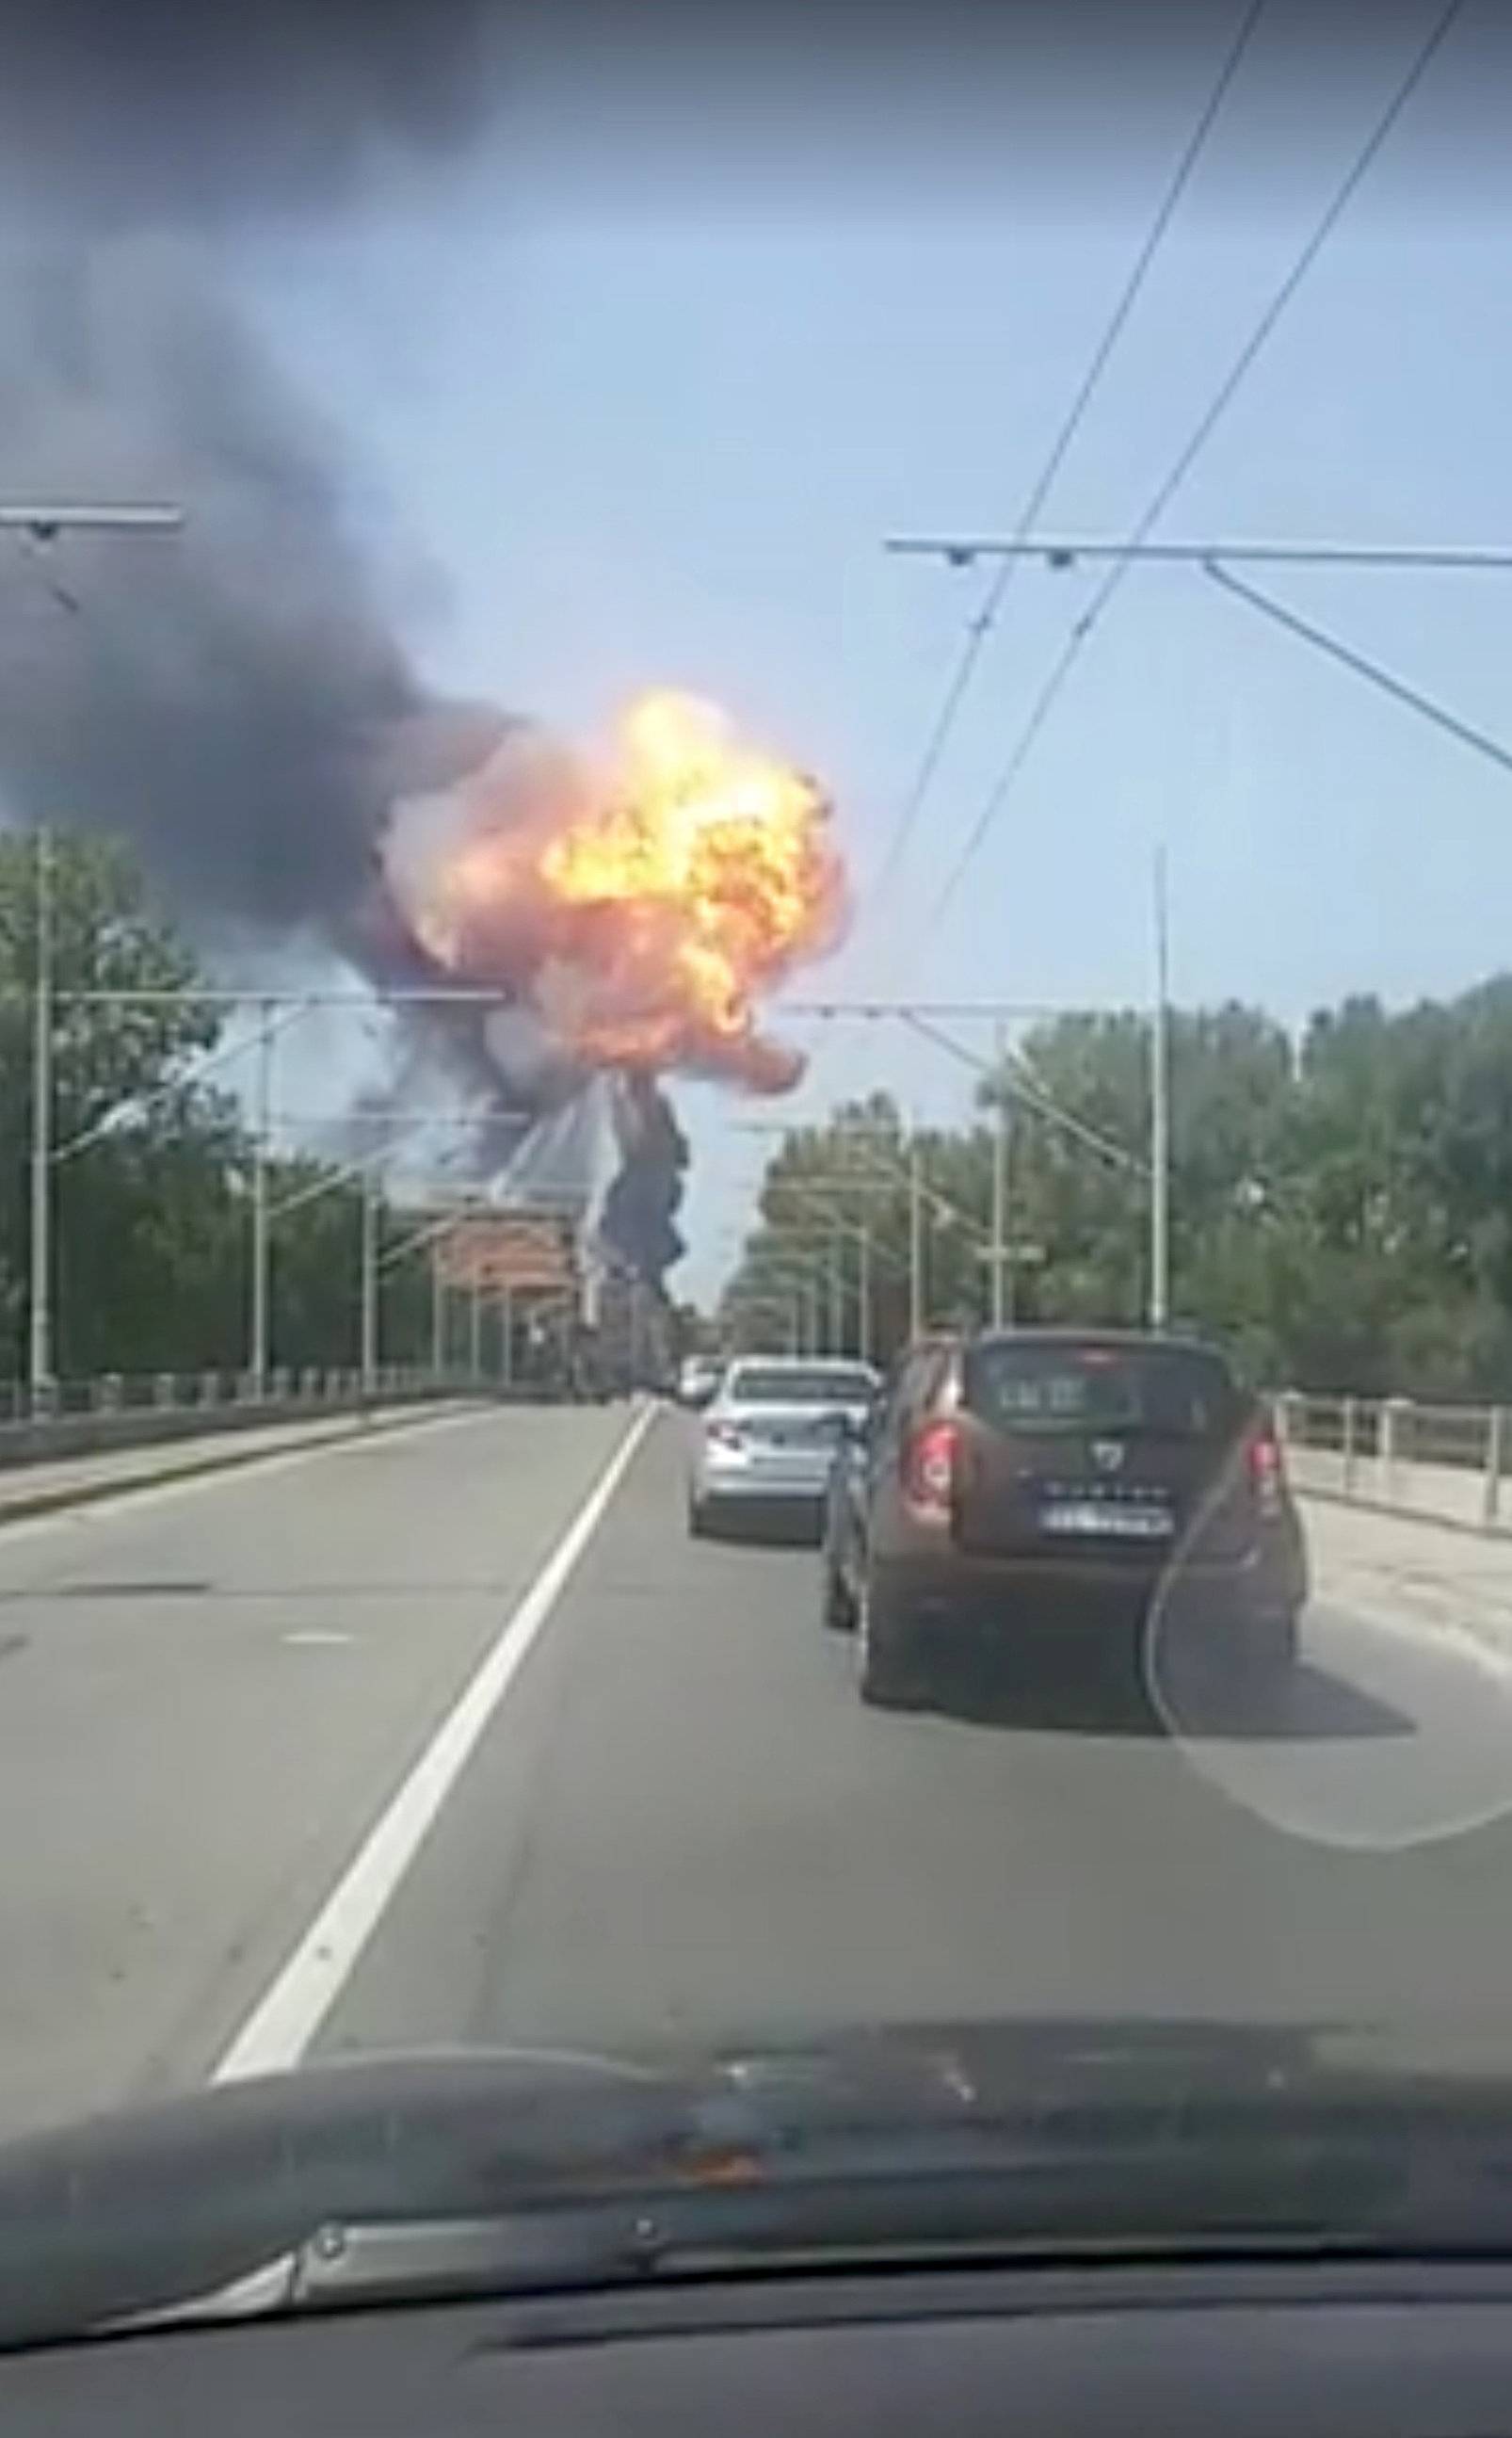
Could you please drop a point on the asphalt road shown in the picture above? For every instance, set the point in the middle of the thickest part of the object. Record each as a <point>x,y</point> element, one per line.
<point>272,1772</point>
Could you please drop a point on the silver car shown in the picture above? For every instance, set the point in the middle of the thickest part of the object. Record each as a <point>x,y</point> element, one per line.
<point>767,1440</point>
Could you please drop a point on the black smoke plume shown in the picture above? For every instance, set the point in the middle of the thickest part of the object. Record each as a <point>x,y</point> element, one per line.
<point>238,699</point>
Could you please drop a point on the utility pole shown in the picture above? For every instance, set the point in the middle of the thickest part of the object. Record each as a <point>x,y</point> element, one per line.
<point>370,1311</point>
<point>999,1182</point>
<point>837,1288</point>
<point>475,1321</point>
<point>42,521</point>
<point>41,1312</point>
<point>506,1335</point>
<point>863,1294</point>
<point>1160,1113</point>
<point>438,1312</point>
<point>257,1350</point>
<point>916,1241</point>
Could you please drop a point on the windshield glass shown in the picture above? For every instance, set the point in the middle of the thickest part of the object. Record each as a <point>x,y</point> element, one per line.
<point>826,1385</point>
<point>716,709</point>
<point>1063,1386</point>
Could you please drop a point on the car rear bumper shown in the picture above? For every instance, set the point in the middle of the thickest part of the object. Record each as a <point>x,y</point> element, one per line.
<point>1036,1598</point>
<point>762,1486</point>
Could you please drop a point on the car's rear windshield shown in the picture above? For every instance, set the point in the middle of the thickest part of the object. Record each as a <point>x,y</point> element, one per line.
<point>1175,1391</point>
<point>829,1385</point>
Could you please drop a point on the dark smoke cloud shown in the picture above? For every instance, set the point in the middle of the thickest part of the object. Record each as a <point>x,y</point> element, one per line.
<point>234,698</point>
<point>238,699</point>
<point>181,110</point>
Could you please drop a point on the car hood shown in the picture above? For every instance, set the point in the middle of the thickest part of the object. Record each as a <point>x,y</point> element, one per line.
<point>1071,2128</point>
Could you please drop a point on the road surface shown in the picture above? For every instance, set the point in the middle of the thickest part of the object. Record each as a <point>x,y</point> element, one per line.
<point>312,1755</point>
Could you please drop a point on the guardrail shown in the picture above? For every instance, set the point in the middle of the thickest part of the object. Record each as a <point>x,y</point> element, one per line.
<point>1446,1461</point>
<point>126,1410</point>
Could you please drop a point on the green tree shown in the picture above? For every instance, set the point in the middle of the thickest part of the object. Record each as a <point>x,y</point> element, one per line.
<point>1342,1207</point>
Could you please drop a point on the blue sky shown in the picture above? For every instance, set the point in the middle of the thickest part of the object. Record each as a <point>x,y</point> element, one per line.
<point>622,433</point>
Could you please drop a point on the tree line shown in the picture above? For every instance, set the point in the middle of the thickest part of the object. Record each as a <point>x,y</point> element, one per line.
<point>1340,1201</point>
<point>152,1170</point>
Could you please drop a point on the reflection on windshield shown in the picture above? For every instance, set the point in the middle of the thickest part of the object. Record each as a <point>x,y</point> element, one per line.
<point>831,1384</point>
<point>714,719</point>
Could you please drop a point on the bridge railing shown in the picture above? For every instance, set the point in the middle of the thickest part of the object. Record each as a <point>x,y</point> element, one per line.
<point>79,1417</point>
<point>1447,1462</point>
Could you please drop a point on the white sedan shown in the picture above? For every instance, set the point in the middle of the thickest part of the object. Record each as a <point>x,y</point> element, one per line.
<point>767,1440</point>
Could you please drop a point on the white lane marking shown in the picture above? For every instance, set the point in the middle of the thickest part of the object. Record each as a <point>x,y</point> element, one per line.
<point>81,1516</point>
<point>286,2019</point>
<point>316,1640</point>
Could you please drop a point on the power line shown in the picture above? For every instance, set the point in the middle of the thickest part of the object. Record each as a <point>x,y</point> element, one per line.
<point>1396,687</point>
<point>1017,1077</point>
<point>981,625</point>
<point>1219,405</point>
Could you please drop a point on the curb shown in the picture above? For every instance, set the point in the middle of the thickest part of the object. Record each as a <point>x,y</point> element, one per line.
<point>224,1460</point>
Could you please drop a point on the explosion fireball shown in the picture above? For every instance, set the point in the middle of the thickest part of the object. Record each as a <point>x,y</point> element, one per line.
<point>643,907</point>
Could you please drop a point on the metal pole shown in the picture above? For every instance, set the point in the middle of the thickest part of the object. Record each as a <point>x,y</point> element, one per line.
<point>1160,1115</point>
<point>370,1311</point>
<point>1063,551</point>
<point>41,1309</point>
<point>438,1312</point>
<point>257,1353</point>
<point>999,1182</point>
<point>864,1295</point>
<point>475,1322</point>
<point>837,1288</point>
<point>916,1241</point>
<point>506,1335</point>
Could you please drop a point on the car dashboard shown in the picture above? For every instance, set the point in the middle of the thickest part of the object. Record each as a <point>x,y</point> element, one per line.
<point>1350,2348</point>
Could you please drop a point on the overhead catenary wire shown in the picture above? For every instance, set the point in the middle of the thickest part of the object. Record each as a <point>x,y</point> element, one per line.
<point>1018,1078</point>
<point>981,625</point>
<point>1218,406</point>
<point>1361,667</point>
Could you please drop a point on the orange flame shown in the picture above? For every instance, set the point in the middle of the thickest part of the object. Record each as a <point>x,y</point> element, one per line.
<point>687,881</point>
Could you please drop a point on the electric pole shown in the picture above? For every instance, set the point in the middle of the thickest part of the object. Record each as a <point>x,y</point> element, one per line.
<point>999,1253</point>
<point>258,1363</point>
<point>1160,1114</point>
<point>916,1241</point>
<point>41,1312</point>
<point>370,1311</point>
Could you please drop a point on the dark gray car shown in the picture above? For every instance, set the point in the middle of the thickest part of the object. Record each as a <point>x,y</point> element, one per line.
<point>1025,1496</point>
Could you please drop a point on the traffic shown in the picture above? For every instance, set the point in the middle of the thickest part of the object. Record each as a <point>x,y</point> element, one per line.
<point>1012,1501</point>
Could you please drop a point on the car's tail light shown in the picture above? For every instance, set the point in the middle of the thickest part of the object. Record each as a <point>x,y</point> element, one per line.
<point>723,1435</point>
<point>1262,1459</point>
<point>929,1471</point>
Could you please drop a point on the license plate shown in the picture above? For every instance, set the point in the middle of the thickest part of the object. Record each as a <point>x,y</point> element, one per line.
<point>1108,1523</point>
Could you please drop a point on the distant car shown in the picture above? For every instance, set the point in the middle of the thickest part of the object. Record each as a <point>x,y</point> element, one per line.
<point>1015,1487</point>
<point>767,1440</point>
<point>698,1378</point>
